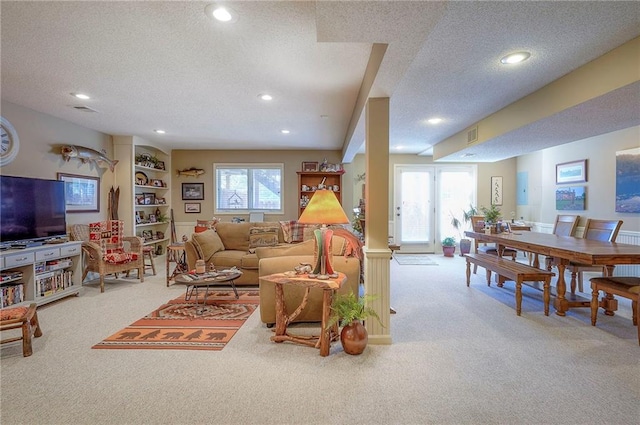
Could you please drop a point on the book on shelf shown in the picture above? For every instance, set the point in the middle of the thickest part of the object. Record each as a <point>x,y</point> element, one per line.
<point>10,275</point>
<point>11,294</point>
<point>51,282</point>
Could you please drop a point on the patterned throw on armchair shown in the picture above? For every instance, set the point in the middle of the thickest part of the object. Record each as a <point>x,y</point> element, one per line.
<point>106,251</point>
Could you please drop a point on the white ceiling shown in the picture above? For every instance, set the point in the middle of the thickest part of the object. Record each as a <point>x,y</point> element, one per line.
<point>165,65</point>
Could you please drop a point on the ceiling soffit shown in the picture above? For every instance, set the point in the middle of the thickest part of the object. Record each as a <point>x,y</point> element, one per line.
<point>574,104</point>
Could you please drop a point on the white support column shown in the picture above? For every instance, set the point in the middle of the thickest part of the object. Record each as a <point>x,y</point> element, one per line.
<point>377,276</point>
<point>377,252</point>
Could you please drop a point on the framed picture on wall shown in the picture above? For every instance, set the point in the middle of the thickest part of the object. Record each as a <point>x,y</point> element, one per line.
<point>496,190</point>
<point>627,180</point>
<point>192,191</point>
<point>192,207</point>
<point>571,172</point>
<point>571,198</point>
<point>82,193</point>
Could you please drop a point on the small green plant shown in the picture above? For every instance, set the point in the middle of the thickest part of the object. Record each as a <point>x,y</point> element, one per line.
<point>346,308</point>
<point>492,214</point>
<point>449,241</point>
<point>466,217</point>
<point>469,213</point>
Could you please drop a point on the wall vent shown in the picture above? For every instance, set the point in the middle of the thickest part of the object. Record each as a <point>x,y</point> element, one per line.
<point>472,135</point>
<point>84,108</point>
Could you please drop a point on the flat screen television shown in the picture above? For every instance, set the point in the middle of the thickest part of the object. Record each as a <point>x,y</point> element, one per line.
<point>31,210</point>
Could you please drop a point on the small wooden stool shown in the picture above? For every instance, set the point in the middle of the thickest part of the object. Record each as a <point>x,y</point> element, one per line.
<point>147,253</point>
<point>21,317</point>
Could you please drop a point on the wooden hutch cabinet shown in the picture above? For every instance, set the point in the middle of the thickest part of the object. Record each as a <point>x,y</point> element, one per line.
<point>308,182</point>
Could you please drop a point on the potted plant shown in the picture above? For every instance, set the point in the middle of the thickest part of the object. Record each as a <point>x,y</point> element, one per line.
<point>491,216</point>
<point>469,213</point>
<point>449,246</point>
<point>465,243</point>
<point>349,311</point>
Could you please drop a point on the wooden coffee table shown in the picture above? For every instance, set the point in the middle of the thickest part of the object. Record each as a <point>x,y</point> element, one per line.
<point>195,282</point>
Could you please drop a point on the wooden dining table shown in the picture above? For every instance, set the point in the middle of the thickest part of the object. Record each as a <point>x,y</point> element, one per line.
<point>566,249</point>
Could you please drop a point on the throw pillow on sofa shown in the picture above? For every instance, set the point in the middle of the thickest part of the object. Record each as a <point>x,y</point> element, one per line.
<point>207,243</point>
<point>293,231</point>
<point>263,236</point>
<point>304,248</point>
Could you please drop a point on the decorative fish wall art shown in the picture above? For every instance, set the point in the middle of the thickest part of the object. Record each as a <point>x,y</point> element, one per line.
<point>191,172</point>
<point>87,155</point>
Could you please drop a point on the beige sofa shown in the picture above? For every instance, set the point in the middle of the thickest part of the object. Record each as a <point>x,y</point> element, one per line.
<point>230,246</point>
<point>233,244</point>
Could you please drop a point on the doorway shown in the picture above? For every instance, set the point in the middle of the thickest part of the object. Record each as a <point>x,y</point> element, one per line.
<point>425,198</point>
<point>413,209</point>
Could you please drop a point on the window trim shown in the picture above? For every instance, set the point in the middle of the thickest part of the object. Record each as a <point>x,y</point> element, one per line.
<point>247,166</point>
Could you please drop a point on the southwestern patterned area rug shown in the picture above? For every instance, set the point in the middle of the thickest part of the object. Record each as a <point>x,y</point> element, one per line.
<point>183,325</point>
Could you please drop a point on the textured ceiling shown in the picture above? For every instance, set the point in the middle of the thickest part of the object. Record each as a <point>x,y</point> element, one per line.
<point>150,65</point>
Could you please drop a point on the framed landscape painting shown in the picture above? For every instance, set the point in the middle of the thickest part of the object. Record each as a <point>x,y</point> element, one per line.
<point>571,172</point>
<point>571,198</point>
<point>628,181</point>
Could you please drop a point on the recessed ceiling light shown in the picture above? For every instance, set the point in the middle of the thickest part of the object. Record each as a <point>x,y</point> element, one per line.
<point>160,131</point>
<point>468,155</point>
<point>515,58</point>
<point>434,120</point>
<point>265,96</point>
<point>285,131</point>
<point>80,96</point>
<point>221,13</point>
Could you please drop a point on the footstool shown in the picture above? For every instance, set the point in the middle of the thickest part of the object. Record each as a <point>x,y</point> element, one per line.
<point>147,253</point>
<point>21,317</point>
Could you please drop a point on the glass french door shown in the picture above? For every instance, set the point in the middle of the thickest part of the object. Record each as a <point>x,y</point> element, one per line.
<point>413,207</point>
<point>456,187</point>
<point>426,198</point>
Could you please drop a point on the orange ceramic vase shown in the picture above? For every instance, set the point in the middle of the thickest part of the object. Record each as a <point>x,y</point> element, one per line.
<point>354,338</point>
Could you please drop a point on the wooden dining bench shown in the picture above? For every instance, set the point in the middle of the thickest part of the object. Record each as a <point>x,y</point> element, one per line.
<point>512,270</point>
<point>623,286</point>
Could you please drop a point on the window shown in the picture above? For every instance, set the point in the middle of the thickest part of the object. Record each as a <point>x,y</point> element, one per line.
<point>248,187</point>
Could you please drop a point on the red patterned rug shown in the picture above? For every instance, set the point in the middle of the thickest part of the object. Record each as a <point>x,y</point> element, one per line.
<point>183,325</point>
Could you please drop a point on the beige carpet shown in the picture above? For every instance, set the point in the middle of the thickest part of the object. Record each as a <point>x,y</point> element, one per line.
<point>459,356</point>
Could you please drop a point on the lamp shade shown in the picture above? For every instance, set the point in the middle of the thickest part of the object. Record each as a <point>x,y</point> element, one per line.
<point>323,208</point>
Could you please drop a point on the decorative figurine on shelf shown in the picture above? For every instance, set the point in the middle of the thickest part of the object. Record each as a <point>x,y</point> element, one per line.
<point>324,165</point>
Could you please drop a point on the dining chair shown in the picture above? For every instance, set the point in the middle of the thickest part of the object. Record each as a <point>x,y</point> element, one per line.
<point>565,225</point>
<point>596,230</point>
<point>477,222</point>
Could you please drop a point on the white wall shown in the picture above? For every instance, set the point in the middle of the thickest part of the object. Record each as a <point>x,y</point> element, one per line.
<point>600,153</point>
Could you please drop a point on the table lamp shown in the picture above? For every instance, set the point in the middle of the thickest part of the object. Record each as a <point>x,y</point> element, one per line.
<point>323,208</point>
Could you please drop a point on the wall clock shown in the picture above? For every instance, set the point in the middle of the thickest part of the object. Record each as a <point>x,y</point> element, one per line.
<point>9,144</point>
